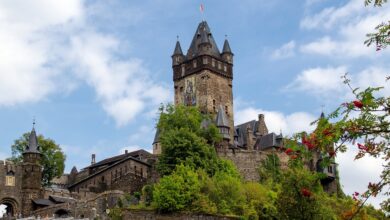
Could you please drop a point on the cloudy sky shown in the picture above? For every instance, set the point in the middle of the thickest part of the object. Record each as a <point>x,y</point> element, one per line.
<point>93,73</point>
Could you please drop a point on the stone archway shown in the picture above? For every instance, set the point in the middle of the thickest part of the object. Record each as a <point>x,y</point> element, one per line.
<point>12,208</point>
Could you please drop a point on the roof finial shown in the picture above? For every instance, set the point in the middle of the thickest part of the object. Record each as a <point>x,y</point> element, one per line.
<point>34,122</point>
<point>226,36</point>
<point>177,37</point>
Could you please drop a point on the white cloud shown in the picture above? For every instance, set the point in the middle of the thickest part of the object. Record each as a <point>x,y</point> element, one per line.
<point>320,81</point>
<point>346,28</point>
<point>327,82</point>
<point>277,121</point>
<point>39,48</point>
<point>123,86</point>
<point>369,171</point>
<point>331,16</point>
<point>25,47</point>
<point>285,51</point>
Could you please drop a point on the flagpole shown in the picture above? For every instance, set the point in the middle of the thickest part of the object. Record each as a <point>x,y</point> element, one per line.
<point>201,8</point>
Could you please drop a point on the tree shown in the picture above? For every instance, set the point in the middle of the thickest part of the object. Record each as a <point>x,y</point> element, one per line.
<point>185,141</point>
<point>52,160</point>
<point>382,37</point>
<point>177,191</point>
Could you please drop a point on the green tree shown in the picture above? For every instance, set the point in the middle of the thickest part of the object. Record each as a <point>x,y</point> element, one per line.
<point>52,160</point>
<point>185,141</point>
<point>177,191</point>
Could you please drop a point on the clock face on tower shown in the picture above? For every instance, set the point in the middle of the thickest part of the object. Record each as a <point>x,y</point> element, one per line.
<point>189,94</point>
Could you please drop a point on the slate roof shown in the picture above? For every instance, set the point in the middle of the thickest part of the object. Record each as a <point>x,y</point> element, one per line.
<point>203,35</point>
<point>60,199</point>
<point>43,202</point>
<point>268,141</point>
<point>177,50</point>
<point>156,136</point>
<point>113,161</point>
<point>221,120</point>
<point>32,146</point>
<point>226,47</point>
<point>135,154</point>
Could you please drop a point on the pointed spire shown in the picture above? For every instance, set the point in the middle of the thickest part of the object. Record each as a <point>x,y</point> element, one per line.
<point>221,120</point>
<point>177,50</point>
<point>226,47</point>
<point>322,115</point>
<point>32,146</point>
<point>203,35</point>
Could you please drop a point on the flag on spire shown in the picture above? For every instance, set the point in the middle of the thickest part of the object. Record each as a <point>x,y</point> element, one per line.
<point>201,8</point>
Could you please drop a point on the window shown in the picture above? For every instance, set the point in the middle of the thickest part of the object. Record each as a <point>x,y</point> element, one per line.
<point>194,63</point>
<point>205,60</point>
<point>213,62</point>
<point>183,70</point>
<point>224,68</point>
<point>330,169</point>
<point>10,180</point>
<point>226,110</point>
<point>219,65</point>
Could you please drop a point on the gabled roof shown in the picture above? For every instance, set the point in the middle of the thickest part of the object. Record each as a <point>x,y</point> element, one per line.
<point>135,154</point>
<point>203,35</point>
<point>268,141</point>
<point>126,158</point>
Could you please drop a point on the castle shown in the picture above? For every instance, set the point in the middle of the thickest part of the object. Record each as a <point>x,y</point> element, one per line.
<point>203,77</point>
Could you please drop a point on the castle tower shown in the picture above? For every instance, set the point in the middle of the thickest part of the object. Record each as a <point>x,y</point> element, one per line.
<point>32,174</point>
<point>203,77</point>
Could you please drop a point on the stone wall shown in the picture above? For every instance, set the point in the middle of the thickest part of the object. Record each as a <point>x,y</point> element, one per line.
<point>90,208</point>
<point>249,161</point>
<point>11,195</point>
<point>151,215</point>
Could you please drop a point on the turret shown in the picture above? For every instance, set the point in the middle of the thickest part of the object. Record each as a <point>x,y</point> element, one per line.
<point>222,124</point>
<point>32,173</point>
<point>177,56</point>
<point>227,54</point>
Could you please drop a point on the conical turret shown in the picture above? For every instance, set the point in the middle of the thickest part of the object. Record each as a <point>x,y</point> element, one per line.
<point>177,56</point>
<point>227,54</point>
<point>222,123</point>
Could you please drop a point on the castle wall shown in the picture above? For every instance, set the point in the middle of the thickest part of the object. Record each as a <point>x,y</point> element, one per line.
<point>249,161</point>
<point>11,194</point>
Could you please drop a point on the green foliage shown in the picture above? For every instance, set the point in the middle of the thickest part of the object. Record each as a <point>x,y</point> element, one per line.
<point>177,191</point>
<point>184,141</point>
<point>52,160</point>
<point>270,169</point>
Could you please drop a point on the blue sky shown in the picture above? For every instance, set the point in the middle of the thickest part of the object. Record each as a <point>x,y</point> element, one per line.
<point>93,73</point>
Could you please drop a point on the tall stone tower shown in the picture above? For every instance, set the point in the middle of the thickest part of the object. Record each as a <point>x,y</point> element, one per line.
<point>203,77</point>
<point>32,174</point>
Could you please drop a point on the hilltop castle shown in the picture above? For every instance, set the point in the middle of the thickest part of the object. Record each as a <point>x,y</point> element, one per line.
<point>203,77</point>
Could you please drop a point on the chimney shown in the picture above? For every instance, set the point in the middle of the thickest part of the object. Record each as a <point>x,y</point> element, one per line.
<point>126,151</point>
<point>249,138</point>
<point>262,128</point>
<point>93,159</point>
